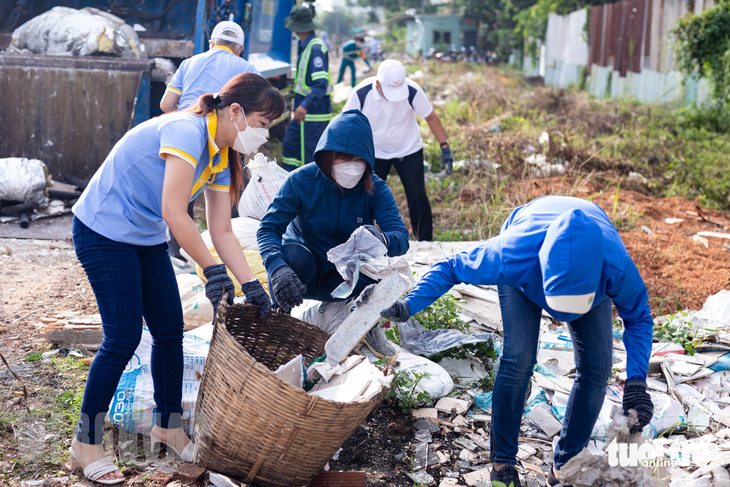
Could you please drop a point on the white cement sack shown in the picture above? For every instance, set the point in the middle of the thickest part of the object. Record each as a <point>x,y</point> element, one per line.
<point>24,180</point>
<point>132,407</point>
<point>244,228</point>
<point>64,31</point>
<point>197,309</point>
<point>326,316</point>
<point>438,383</point>
<point>266,179</point>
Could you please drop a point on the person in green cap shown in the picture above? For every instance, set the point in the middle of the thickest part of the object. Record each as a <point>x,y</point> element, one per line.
<point>312,105</point>
<point>351,51</point>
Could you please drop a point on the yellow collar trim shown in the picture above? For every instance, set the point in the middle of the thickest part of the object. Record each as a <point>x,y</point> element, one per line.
<point>225,49</point>
<point>212,119</point>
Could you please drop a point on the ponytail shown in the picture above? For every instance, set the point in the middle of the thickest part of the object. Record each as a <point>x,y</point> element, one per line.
<point>255,94</point>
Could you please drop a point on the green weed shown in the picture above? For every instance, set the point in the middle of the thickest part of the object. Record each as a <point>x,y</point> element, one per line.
<point>403,391</point>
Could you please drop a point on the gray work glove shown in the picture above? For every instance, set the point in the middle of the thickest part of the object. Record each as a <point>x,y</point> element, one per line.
<point>218,283</point>
<point>399,312</point>
<point>447,160</point>
<point>636,398</point>
<point>287,288</point>
<point>364,295</point>
<point>376,232</point>
<point>255,294</point>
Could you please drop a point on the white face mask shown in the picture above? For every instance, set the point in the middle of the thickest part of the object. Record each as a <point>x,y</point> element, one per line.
<point>250,139</point>
<point>348,174</point>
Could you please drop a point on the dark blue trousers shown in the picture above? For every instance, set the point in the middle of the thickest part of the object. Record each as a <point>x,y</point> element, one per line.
<point>299,143</point>
<point>131,282</point>
<point>592,336</point>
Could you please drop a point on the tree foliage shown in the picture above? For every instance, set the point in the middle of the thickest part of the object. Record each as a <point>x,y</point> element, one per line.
<point>703,48</point>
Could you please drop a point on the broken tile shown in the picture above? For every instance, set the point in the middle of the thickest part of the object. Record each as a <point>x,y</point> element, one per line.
<point>420,456</point>
<point>467,456</point>
<point>478,477</point>
<point>447,482</point>
<point>220,480</point>
<point>449,404</point>
<point>463,464</point>
<point>444,457</point>
<point>425,413</point>
<point>333,479</point>
<point>188,473</point>
<point>465,443</point>
<point>459,420</point>
<point>421,477</point>
<point>525,452</point>
<point>427,425</point>
<point>433,459</point>
<point>543,418</point>
<point>423,436</point>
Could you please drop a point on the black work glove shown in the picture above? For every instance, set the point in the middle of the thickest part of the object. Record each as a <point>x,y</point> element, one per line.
<point>447,160</point>
<point>364,295</point>
<point>399,312</point>
<point>287,288</point>
<point>255,294</point>
<point>376,232</point>
<point>636,398</point>
<point>218,283</point>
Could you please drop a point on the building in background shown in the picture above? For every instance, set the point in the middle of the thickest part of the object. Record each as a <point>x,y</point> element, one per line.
<point>440,32</point>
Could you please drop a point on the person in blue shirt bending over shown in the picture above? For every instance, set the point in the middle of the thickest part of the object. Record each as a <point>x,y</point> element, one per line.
<point>119,225</point>
<point>317,208</point>
<point>561,255</point>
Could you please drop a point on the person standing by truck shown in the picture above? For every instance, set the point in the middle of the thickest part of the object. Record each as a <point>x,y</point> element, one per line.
<point>391,102</point>
<point>209,71</point>
<point>312,105</point>
<point>351,51</point>
<point>144,186</point>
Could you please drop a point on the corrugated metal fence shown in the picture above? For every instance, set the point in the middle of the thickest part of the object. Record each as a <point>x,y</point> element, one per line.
<point>630,51</point>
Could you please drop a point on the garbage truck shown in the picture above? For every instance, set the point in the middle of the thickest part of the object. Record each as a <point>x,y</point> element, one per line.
<point>69,111</point>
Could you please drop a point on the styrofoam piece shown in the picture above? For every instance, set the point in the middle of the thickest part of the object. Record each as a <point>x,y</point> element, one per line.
<point>363,318</point>
<point>292,372</point>
<point>362,381</point>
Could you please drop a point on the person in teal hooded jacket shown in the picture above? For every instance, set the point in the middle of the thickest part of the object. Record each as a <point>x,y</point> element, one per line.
<point>318,207</point>
<point>561,255</point>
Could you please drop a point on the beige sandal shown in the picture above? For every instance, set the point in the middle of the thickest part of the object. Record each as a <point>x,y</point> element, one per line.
<point>187,455</point>
<point>95,470</point>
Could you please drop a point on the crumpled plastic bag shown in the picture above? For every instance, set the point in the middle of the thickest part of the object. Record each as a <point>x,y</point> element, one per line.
<point>24,180</point>
<point>363,252</point>
<point>64,31</point>
<point>417,339</point>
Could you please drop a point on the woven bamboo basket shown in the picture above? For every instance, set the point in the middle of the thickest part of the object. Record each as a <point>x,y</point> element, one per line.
<point>250,424</point>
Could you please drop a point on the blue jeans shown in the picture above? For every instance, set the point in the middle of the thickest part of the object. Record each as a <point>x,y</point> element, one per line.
<point>131,282</point>
<point>592,336</point>
<point>319,287</point>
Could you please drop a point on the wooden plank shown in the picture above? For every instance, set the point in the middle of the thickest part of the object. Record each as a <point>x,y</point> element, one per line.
<point>67,338</point>
<point>339,479</point>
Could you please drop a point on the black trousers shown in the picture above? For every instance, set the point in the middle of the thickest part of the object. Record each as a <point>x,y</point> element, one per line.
<point>410,170</point>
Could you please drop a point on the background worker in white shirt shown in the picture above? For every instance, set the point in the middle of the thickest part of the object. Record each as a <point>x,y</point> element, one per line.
<point>391,102</point>
<point>209,71</point>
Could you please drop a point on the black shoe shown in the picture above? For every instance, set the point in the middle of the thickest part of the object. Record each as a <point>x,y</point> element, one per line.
<point>508,476</point>
<point>553,481</point>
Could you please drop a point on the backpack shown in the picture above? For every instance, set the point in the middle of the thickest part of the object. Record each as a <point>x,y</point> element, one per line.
<point>363,92</point>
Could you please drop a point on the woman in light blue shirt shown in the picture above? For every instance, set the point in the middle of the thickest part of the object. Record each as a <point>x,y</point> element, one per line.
<point>119,233</point>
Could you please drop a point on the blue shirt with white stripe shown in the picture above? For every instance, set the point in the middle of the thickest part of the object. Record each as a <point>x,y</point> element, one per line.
<point>207,73</point>
<point>123,201</point>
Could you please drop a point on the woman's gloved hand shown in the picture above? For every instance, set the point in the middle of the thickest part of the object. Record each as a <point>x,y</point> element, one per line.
<point>218,283</point>
<point>376,232</point>
<point>636,398</point>
<point>399,312</point>
<point>287,288</point>
<point>255,294</point>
